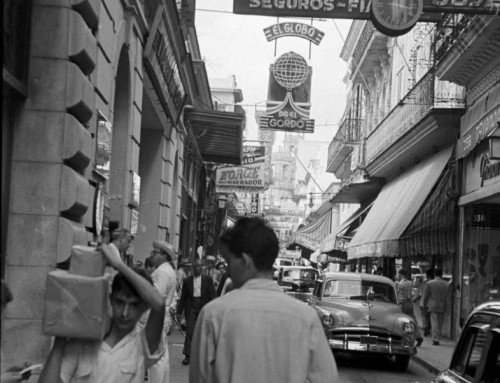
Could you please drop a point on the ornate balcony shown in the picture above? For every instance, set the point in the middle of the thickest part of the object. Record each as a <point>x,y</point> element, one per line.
<point>348,135</point>
<point>426,118</point>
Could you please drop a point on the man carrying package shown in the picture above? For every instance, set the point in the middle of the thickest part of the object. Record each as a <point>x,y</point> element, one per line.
<point>127,349</point>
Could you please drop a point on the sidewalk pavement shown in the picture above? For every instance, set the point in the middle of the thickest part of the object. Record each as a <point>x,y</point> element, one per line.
<point>435,358</point>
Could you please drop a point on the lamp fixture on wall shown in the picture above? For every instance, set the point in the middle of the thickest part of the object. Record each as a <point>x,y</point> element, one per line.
<point>222,199</point>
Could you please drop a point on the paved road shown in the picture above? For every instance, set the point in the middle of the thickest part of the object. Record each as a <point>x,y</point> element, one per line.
<point>352,369</point>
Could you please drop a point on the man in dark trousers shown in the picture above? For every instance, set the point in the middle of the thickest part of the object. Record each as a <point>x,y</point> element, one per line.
<point>197,291</point>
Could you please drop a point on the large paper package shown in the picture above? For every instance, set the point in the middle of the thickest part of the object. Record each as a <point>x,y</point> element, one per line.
<point>76,306</point>
<point>86,261</point>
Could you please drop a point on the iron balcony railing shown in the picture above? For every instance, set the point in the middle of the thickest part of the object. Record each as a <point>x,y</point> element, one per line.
<point>428,94</point>
<point>349,134</point>
<point>448,32</point>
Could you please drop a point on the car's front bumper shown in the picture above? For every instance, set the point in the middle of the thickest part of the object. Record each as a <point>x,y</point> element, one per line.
<point>399,345</point>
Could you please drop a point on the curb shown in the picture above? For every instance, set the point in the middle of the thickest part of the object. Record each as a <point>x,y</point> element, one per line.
<point>432,369</point>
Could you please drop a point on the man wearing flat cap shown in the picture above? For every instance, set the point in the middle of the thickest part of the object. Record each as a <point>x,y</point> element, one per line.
<point>164,278</point>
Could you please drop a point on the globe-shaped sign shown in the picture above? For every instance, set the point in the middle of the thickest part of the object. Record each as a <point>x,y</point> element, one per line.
<point>290,70</point>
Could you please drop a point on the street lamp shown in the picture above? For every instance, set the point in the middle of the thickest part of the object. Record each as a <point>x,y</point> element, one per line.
<point>222,201</point>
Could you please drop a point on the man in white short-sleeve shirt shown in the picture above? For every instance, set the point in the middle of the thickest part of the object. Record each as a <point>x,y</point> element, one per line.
<point>127,349</point>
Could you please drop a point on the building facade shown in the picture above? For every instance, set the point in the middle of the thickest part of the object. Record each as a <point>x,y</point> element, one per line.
<point>395,153</point>
<point>468,52</point>
<point>103,105</point>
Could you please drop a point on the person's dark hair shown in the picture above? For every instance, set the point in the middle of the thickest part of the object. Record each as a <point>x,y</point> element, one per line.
<point>120,233</point>
<point>438,272</point>
<point>148,262</point>
<point>429,274</point>
<point>253,237</point>
<point>403,272</point>
<point>121,284</point>
<point>6,295</point>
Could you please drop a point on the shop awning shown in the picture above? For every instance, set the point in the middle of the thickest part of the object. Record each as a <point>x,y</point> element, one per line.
<point>395,207</point>
<point>358,192</point>
<point>432,230</point>
<point>218,134</point>
<point>341,238</point>
<point>311,235</point>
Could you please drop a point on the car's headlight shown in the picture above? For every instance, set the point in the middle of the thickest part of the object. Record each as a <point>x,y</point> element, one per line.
<point>327,321</point>
<point>409,327</point>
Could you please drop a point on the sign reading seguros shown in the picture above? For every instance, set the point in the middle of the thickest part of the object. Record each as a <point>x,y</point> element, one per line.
<point>249,176</point>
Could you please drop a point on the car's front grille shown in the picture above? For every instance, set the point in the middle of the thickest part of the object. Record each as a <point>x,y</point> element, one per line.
<point>371,340</point>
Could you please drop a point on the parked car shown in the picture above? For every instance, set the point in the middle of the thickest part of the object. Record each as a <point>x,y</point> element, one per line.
<point>360,314</point>
<point>279,263</point>
<point>297,278</point>
<point>477,353</point>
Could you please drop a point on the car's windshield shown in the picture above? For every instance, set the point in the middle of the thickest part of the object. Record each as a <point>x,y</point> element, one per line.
<point>299,274</point>
<point>356,289</point>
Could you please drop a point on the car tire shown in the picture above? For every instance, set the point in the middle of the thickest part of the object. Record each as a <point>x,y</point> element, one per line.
<point>402,362</point>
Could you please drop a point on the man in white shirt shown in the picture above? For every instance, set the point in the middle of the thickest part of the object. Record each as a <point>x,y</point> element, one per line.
<point>257,333</point>
<point>128,349</point>
<point>164,278</point>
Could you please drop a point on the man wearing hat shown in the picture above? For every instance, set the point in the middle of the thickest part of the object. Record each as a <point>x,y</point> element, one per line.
<point>197,291</point>
<point>163,258</point>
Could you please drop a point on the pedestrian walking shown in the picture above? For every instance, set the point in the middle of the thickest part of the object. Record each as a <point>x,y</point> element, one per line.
<point>257,333</point>
<point>128,349</point>
<point>163,258</point>
<point>425,314</point>
<point>404,288</point>
<point>435,295</point>
<point>197,291</point>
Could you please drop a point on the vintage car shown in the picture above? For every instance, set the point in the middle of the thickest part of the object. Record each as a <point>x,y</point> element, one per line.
<point>477,354</point>
<point>360,314</point>
<point>279,263</point>
<point>297,278</point>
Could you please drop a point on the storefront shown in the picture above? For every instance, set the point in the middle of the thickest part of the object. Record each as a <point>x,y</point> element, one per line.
<point>412,222</point>
<point>479,149</point>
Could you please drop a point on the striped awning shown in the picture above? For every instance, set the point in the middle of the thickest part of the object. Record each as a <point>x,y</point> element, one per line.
<point>341,238</point>
<point>432,231</point>
<point>311,235</point>
<point>400,202</point>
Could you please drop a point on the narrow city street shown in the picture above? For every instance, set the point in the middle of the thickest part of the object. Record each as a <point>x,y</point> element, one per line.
<point>352,369</point>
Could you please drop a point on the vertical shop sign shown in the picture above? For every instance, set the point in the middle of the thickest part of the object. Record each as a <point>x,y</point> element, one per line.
<point>161,63</point>
<point>254,205</point>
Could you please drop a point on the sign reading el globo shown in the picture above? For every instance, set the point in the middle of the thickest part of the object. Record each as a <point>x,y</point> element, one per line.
<point>239,176</point>
<point>294,29</point>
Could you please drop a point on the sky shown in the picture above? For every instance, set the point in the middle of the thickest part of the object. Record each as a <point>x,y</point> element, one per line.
<point>233,44</point>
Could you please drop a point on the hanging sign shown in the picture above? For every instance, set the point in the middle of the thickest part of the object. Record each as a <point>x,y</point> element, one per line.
<point>355,9</point>
<point>240,176</point>
<point>288,102</point>
<point>253,155</point>
<point>254,205</point>
<point>305,31</point>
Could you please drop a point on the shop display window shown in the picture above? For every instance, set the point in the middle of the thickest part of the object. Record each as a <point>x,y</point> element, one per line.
<point>481,256</point>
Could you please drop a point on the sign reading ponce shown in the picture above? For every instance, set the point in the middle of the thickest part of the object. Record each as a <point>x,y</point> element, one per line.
<point>238,176</point>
